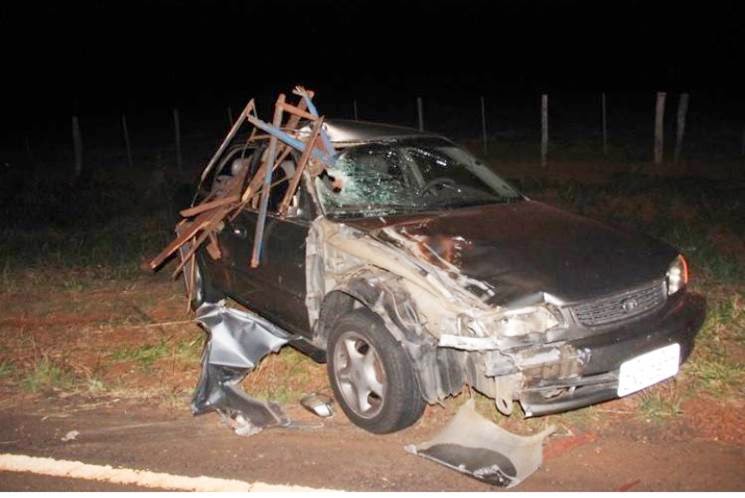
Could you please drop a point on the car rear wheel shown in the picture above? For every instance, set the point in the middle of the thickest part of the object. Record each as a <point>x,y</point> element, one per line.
<point>371,375</point>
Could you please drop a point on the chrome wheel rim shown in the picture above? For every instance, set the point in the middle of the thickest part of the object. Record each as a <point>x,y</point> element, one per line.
<point>359,374</point>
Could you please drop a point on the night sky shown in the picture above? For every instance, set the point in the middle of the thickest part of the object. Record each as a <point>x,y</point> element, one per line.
<point>106,55</point>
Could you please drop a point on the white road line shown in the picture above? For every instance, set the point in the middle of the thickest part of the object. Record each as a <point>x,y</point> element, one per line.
<point>143,478</point>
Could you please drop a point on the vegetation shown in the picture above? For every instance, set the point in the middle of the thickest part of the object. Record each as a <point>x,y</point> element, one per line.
<point>74,239</point>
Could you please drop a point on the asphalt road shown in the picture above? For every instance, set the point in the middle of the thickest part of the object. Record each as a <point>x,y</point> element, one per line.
<point>331,453</point>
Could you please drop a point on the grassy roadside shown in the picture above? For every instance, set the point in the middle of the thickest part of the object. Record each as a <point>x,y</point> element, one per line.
<point>67,282</point>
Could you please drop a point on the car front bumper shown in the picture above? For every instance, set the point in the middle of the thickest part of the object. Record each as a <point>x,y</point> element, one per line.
<point>605,352</point>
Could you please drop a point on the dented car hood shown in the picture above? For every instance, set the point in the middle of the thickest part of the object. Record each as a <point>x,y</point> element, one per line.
<point>525,247</point>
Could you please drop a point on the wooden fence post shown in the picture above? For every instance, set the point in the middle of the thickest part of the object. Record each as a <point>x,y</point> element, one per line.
<point>605,128</point>
<point>681,125</point>
<point>354,107</point>
<point>77,143</point>
<point>127,145</point>
<point>659,122</point>
<point>483,125</point>
<point>420,112</point>
<point>177,136</point>
<point>544,128</point>
<point>29,152</point>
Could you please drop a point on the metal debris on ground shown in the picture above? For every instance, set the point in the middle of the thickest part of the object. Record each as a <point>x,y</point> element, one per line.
<point>475,446</point>
<point>238,340</point>
<point>301,130</point>
<point>70,436</point>
<point>320,404</point>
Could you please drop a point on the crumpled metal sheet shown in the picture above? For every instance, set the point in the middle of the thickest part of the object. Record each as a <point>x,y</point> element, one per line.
<point>237,342</point>
<point>475,446</point>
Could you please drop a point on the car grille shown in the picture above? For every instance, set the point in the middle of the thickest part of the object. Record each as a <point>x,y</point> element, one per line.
<point>620,306</point>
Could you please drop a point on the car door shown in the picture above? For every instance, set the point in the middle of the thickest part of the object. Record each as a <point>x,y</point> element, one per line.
<point>276,288</point>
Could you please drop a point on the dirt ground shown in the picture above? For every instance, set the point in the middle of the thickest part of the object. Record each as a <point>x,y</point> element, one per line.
<point>117,362</point>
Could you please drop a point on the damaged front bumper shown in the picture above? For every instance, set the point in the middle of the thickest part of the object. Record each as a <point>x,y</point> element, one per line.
<point>573,373</point>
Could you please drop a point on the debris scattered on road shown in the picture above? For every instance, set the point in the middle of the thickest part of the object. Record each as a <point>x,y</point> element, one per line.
<point>475,446</point>
<point>320,404</point>
<point>70,436</point>
<point>238,340</point>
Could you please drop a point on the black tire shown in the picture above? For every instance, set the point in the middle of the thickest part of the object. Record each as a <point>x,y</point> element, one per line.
<point>400,403</point>
<point>204,292</point>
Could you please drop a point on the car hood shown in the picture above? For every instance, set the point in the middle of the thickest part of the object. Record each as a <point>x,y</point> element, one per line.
<point>527,247</point>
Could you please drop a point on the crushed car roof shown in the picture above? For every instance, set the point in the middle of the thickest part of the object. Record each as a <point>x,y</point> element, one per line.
<point>343,131</point>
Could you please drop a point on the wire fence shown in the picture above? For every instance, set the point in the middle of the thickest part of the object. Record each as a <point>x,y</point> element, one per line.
<point>509,127</point>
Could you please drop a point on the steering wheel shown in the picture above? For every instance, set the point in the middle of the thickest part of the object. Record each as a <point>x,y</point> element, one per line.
<point>442,180</point>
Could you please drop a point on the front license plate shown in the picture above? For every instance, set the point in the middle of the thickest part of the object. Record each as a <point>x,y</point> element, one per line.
<point>647,369</point>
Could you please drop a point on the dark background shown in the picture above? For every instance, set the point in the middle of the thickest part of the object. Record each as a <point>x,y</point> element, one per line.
<point>113,56</point>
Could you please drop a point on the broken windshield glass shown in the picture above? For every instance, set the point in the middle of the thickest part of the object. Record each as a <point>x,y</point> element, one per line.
<point>409,175</point>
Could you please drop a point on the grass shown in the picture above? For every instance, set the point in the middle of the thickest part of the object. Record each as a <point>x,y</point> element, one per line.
<point>46,375</point>
<point>7,369</point>
<point>144,356</point>
<point>660,402</point>
<point>717,376</point>
<point>285,377</point>
<point>102,230</point>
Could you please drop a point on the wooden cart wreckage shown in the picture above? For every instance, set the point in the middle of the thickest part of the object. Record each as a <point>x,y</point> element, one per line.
<point>238,340</point>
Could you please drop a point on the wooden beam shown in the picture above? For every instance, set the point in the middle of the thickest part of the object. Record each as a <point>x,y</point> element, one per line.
<point>271,156</point>
<point>304,158</point>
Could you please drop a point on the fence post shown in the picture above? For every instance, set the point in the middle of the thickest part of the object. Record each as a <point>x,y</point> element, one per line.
<point>544,128</point>
<point>605,128</point>
<point>483,125</point>
<point>77,143</point>
<point>420,112</point>
<point>354,107</point>
<point>659,122</point>
<point>177,136</point>
<point>681,125</point>
<point>230,117</point>
<point>127,145</point>
<point>29,152</point>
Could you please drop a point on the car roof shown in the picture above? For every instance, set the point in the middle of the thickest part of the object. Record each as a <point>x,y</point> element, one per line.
<point>348,132</point>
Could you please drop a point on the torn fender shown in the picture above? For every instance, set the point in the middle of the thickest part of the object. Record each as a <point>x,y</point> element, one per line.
<point>477,447</point>
<point>237,342</point>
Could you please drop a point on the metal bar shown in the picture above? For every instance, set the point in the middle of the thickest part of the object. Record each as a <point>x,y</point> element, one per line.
<point>312,108</point>
<point>291,141</point>
<point>299,112</point>
<point>271,155</point>
<point>227,140</point>
<point>300,167</point>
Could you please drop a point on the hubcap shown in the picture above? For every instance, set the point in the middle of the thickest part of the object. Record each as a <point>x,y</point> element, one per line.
<point>359,374</point>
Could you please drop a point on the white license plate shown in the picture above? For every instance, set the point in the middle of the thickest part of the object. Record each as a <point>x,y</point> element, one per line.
<point>647,369</point>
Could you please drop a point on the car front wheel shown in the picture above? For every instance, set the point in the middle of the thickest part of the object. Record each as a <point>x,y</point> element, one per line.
<point>371,375</point>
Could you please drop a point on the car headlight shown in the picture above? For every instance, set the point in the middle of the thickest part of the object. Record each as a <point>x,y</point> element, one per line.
<point>677,275</point>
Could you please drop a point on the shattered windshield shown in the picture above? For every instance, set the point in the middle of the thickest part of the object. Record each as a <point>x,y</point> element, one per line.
<point>409,176</point>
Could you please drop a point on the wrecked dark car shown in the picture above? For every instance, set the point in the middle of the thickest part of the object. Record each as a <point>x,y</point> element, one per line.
<point>413,270</point>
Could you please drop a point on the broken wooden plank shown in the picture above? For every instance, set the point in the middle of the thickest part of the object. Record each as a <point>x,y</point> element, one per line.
<point>304,158</point>
<point>205,206</point>
<point>261,219</point>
